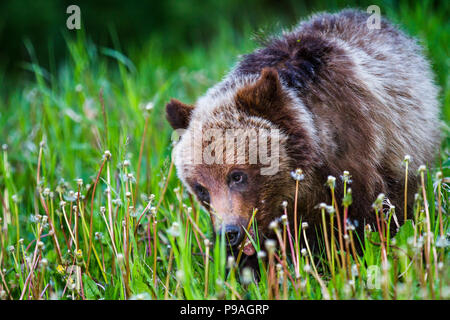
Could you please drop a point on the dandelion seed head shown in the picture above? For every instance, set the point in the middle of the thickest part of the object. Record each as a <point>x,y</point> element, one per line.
<point>346,177</point>
<point>140,296</point>
<point>79,87</point>
<point>230,262</point>
<point>331,181</point>
<point>297,174</point>
<point>378,204</point>
<point>330,209</point>
<point>273,225</point>
<point>350,226</point>
<point>419,243</point>
<point>98,235</point>
<point>278,267</point>
<point>270,245</point>
<point>307,268</point>
<point>149,106</point>
<point>261,254</point>
<point>117,202</point>
<point>46,192</point>
<point>107,154</point>
<point>355,272</point>
<point>381,197</point>
<point>133,212</point>
<point>174,230</point>
<point>44,262</point>
<point>442,242</point>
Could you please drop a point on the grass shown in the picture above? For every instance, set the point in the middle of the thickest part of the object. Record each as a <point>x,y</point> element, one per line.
<point>91,207</point>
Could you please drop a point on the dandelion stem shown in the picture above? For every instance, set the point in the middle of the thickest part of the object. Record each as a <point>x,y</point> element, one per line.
<point>92,211</point>
<point>141,151</point>
<point>297,252</point>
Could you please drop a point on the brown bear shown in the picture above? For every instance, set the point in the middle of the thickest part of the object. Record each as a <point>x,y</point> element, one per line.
<point>329,96</point>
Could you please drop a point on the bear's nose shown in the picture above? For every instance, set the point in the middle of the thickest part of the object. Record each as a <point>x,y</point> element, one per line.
<point>233,234</point>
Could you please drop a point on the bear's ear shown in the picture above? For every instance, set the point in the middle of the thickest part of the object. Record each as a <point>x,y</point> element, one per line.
<point>264,96</point>
<point>178,114</point>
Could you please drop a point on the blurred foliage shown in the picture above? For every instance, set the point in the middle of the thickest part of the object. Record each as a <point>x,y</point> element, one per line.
<point>177,23</point>
<point>175,27</point>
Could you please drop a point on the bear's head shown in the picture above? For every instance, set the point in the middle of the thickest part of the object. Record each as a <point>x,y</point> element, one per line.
<point>236,152</point>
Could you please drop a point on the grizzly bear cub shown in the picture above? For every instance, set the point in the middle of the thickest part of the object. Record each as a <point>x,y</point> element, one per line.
<point>332,95</point>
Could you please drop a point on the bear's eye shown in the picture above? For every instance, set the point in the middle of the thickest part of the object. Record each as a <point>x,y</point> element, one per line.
<point>202,193</point>
<point>236,178</point>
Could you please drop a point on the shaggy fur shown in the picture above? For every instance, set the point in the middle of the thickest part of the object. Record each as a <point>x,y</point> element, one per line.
<point>345,98</point>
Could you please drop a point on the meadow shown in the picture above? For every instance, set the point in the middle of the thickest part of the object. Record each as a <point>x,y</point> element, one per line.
<point>91,208</point>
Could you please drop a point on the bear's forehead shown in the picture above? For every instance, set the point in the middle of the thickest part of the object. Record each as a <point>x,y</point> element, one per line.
<point>227,117</point>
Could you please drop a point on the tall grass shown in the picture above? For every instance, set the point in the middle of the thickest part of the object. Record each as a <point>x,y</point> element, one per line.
<point>91,207</point>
